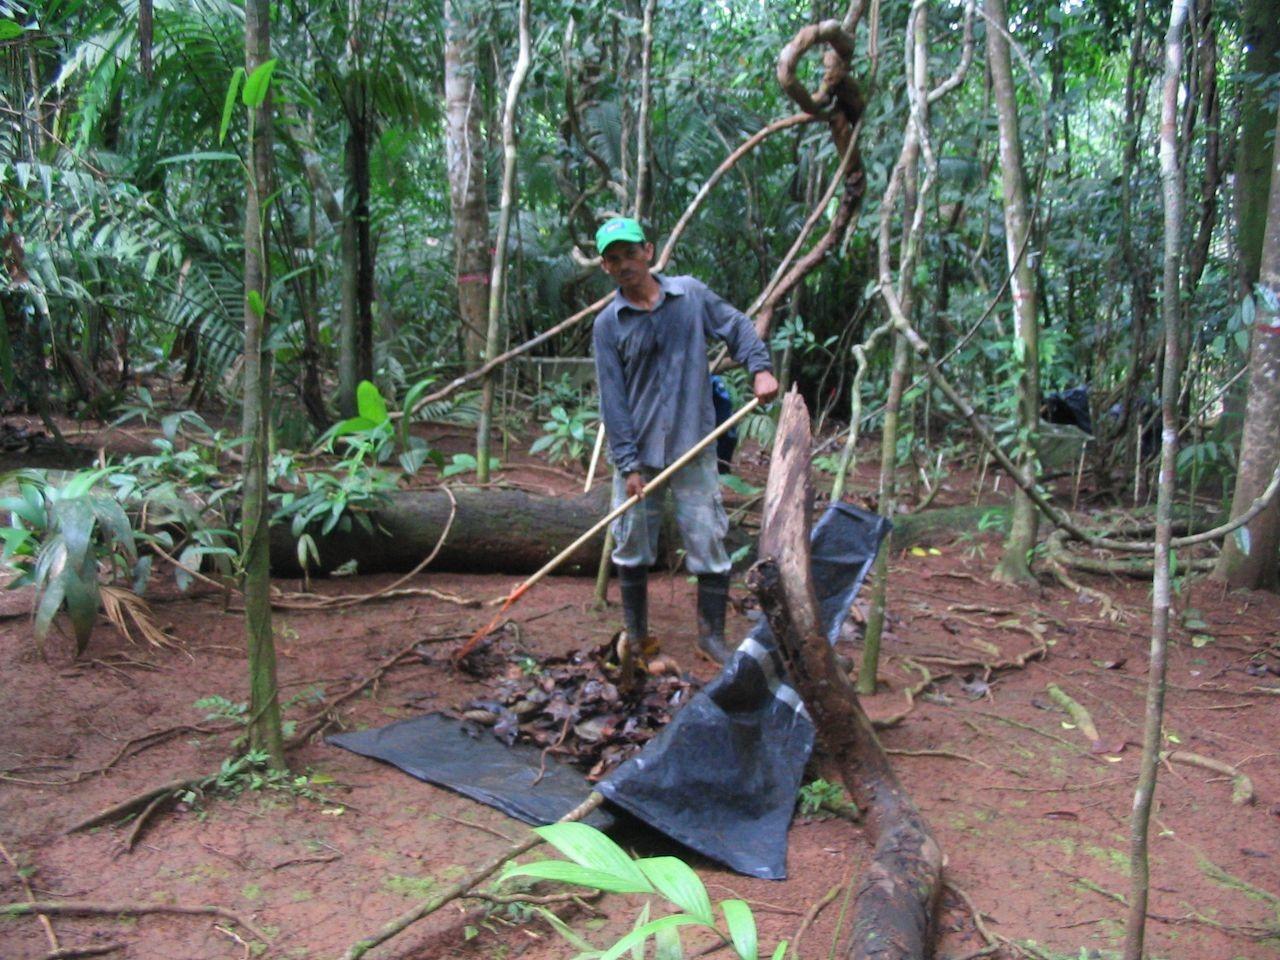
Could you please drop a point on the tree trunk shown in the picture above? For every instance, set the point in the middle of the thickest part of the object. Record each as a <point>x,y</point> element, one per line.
<point>1015,564</point>
<point>893,912</point>
<point>355,356</point>
<point>1171,311</point>
<point>498,285</point>
<point>1255,563</point>
<point>264,707</point>
<point>907,173</point>
<point>464,160</point>
<point>1253,174</point>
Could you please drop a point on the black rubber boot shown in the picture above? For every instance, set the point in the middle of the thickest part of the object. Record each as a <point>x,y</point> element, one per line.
<point>633,583</point>
<point>713,596</point>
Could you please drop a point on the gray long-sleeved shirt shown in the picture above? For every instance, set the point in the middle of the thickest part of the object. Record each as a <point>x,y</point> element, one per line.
<point>655,391</point>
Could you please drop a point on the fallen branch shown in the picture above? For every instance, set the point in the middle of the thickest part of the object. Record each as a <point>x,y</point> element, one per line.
<point>460,888</point>
<point>893,909</point>
<point>1241,785</point>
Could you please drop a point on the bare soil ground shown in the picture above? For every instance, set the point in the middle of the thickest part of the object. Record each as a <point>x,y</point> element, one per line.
<point>1034,824</point>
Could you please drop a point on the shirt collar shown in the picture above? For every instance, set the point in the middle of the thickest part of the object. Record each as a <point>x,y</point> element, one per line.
<point>668,287</point>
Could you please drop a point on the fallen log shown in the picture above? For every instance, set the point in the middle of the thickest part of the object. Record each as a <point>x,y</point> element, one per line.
<point>495,531</point>
<point>893,911</point>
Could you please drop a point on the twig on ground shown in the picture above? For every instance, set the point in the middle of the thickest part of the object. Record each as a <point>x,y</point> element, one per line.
<point>812,913</point>
<point>458,889</point>
<point>45,923</point>
<point>937,753</point>
<point>297,861</point>
<point>75,908</point>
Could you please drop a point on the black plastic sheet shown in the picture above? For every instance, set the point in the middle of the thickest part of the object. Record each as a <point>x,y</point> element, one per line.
<point>721,777</point>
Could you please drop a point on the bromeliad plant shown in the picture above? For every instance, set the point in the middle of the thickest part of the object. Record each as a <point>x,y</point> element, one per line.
<point>62,540</point>
<point>599,863</point>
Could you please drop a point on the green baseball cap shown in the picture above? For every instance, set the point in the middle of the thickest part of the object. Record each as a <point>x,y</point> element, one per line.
<point>619,228</point>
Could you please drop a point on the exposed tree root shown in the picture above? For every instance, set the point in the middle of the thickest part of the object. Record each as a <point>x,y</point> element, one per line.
<point>144,801</point>
<point>79,909</point>
<point>1241,785</point>
<point>144,742</point>
<point>1139,568</point>
<point>67,953</point>
<point>461,887</point>
<point>1110,609</point>
<point>893,908</point>
<point>927,679</point>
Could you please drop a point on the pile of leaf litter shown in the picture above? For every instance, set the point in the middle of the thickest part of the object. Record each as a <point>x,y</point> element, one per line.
<point>585,708</point>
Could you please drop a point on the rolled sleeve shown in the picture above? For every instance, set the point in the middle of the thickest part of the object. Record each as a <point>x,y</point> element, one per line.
<point>726,322</point>
<point>613,403</point>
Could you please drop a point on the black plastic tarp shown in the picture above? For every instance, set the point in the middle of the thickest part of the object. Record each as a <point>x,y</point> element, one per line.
<point>721,777</point>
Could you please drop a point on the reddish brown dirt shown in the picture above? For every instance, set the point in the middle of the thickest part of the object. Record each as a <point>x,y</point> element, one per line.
<point>1034,826</point>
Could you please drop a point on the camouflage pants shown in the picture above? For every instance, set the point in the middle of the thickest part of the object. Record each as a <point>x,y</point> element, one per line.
<point>700,517</point>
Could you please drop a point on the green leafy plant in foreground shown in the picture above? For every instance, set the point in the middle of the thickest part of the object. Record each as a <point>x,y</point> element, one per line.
<point>599,863</point>
<point>57,539</point>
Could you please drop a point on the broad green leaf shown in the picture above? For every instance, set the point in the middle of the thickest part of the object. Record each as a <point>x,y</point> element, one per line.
<point>255,88</point>
<point>201,156</point>
<point>742,928</point>
<point>112,516</point>
<point>10,30</point>
<point>641,934</point>
<point>189,560</point>
<point>15,540</point>
<point>544,441</point>
<point>370,403</point>
<point>82,599</point>
<point>76,521</point>
<point>415,393</point>
<point>676,881</point>
<point>667,945</point>
<point>230,102</point>
<point>780,952</point>
<point>24,509</point>
<point>411,461</point>
<point>738,485</point>
<point>564,872</point>
<point>308,552</point>
<point>50,603</point>
<point>589,847</point>
<point>256,304</point>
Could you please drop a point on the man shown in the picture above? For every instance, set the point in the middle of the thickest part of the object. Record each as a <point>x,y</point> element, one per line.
<point>655,398</point>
